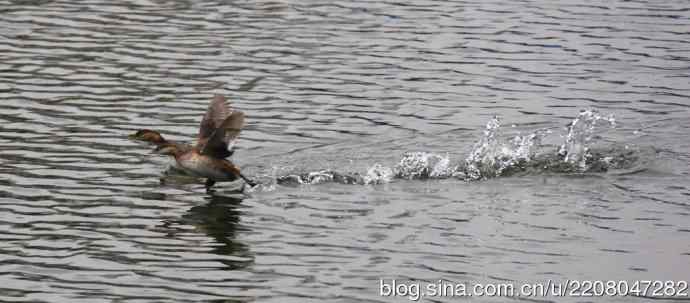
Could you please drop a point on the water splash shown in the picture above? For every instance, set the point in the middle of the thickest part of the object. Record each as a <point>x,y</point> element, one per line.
<point>493,155</point>
<point>268,182</point>
<point>575,149</point>
<point>318,177</point>
<point>423,165</point>
<point>378,174</point>
<point>314,177</point>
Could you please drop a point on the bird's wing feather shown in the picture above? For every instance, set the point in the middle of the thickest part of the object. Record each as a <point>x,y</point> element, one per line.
<point>217,143</point>
<point>216,113</point>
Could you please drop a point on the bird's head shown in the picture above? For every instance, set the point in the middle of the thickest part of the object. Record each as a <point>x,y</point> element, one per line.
<point>148,136</point>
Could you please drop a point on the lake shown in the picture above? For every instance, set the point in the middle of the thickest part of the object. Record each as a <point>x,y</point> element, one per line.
<point>416,141</point>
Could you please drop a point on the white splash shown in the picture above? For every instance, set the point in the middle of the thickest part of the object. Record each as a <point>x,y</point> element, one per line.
<point>575,149</point>
<point>378,174</point>
<point>490,156</point>
<point>418,165</point>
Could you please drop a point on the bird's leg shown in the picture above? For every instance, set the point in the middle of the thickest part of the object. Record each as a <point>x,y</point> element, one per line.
<point>209,183</point>
<point>247,180</point>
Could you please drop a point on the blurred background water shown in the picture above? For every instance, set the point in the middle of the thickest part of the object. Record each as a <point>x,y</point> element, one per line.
<point>447,115</point>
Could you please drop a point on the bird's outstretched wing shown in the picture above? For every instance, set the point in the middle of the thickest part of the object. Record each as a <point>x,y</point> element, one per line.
<point>217,144</point>
<point>216,113</point>
<point>215,134</point>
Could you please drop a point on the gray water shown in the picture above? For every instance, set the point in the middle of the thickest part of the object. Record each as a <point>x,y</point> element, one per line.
<point>381,92</point>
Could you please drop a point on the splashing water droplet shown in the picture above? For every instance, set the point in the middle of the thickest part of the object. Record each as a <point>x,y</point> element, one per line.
<point>421,165</point>
<point>575,149</point>
<point>442,168</point>
<point>378,174</point>
<point>491,157</point>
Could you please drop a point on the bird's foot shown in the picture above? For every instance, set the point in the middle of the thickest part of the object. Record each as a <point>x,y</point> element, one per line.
<point>251,183</point>
<point>209,183</point>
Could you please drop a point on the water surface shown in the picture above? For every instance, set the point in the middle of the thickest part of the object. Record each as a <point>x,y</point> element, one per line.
<point>344,87</point>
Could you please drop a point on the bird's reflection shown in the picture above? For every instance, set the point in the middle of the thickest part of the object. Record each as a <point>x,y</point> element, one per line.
<point>219,219</point>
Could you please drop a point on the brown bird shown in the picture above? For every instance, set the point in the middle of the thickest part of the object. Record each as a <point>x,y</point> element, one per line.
<point>219,129</point>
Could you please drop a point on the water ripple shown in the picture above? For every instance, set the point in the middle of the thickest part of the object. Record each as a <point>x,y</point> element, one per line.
<point>365,120</point>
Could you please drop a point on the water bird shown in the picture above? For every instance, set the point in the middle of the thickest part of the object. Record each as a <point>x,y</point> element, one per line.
<point>218,130</point>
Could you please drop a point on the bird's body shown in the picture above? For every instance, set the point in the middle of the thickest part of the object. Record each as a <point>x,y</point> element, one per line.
<point>207,167</point>
<point>219,128</point>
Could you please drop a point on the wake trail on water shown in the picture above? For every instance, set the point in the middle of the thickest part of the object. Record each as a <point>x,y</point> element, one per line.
<point>492,156</point>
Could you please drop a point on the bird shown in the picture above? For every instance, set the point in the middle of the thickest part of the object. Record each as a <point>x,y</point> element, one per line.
<point>219,129</point>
